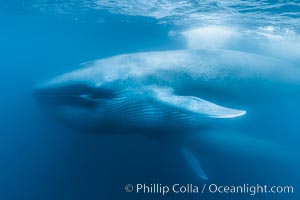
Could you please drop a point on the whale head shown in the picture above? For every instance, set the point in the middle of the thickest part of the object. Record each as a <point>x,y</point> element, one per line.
<point>79,99</point>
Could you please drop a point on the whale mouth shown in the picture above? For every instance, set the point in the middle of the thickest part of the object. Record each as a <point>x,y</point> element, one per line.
<point>70,95</point>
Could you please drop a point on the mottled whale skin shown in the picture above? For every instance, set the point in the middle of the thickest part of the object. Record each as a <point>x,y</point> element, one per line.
<point>153,93</point>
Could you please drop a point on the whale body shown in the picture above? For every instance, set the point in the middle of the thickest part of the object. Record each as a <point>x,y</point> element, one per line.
<point>176,92</point>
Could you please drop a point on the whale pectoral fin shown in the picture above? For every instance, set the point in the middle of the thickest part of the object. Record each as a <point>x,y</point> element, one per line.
<point>196,105</point>
<point>193,162</point>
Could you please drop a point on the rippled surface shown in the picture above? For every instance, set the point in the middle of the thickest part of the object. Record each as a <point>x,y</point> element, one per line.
<point>247,14</point>
<point>265,22</point>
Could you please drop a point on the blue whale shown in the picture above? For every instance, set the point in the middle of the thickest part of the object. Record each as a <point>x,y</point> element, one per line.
<point>166,94</point>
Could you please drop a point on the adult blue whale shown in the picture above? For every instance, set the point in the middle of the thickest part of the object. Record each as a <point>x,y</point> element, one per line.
<point>165,93</point>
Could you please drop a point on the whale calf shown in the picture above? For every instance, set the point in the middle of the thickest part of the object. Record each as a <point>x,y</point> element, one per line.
<point>174,92</point>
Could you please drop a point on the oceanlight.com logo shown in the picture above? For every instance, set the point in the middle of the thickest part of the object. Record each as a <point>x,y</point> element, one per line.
<point>163,189</point>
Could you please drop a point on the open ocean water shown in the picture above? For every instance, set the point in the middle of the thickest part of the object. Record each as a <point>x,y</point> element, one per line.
<point>42,159</point>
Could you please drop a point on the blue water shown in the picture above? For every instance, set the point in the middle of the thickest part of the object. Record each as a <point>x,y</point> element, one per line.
<point>41,158</point>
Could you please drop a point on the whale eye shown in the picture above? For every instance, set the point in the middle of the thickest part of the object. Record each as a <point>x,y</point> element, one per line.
<point>98,93</point>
